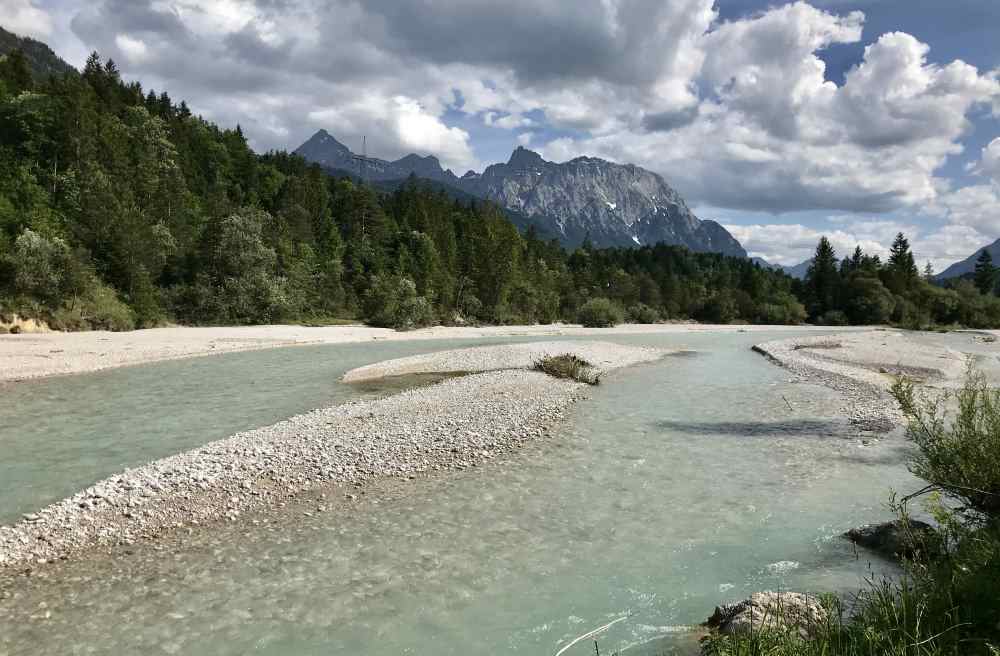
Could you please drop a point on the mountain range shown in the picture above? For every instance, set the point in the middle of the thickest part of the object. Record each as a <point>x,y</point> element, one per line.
<point>586,197</point>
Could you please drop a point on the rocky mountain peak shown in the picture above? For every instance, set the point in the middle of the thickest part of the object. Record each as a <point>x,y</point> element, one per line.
<point>613,204</point>
<point>524,159</point>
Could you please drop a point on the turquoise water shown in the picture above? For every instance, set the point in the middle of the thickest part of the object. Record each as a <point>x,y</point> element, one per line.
<point>59,435</point>
<point>678,485</point>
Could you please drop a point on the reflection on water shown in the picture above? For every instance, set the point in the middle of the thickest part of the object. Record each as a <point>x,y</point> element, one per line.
<point>620,511</point>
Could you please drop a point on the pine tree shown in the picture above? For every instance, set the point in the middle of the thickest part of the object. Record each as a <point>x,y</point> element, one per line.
<point>903,271</point>
<point>823,279</point>
<point>928,271</point>
<point>986,273</point>
<point>901,259</point>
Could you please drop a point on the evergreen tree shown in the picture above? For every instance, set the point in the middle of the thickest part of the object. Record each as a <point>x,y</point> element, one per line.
<point>823,280</point>
<point>902,268</point>
<point>986,273</point>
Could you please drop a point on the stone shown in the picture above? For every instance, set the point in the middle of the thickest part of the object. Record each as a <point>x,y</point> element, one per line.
<point>896,539</point>
<point>793,612</point>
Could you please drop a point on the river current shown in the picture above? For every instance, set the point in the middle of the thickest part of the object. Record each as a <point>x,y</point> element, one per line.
<point>675,486</point>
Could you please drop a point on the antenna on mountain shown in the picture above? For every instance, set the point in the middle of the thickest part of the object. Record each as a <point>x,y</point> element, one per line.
<point>363,160</point>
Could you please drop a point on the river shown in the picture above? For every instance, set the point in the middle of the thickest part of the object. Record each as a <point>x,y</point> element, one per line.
<point>677,485</point>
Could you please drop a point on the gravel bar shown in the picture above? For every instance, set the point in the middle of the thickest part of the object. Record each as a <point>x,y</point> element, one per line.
<point>602,355</point>
<point>863,366</point>
<point>455,424</point>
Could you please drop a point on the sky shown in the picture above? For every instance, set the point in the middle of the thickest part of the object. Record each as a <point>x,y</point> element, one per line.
<point>784,121</point>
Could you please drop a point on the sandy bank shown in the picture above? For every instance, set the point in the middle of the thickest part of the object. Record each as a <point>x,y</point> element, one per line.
<point>863,366</point>
<point>458,423</point>
<point>38,355</point>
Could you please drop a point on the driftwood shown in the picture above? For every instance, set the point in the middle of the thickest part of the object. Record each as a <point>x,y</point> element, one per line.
<point>591,634</point>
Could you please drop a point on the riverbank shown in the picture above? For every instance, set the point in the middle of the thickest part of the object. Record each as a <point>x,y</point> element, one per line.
<point>862,366</point>
<point>38,355</point>
<point>455,424</point>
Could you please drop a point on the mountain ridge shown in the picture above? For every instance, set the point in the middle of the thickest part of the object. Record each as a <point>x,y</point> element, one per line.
<point>968,265</point>
<point>584,198</point>
<point>42,60</point>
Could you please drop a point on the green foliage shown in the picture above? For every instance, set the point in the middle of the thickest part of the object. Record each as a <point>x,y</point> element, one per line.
<point>569,366</point>
<point>960,456</point>
<point>823,280</point>
<point>985,273</point>
<point>864,291</point>
<point>642,313</point>
<point>600,313</point>
<point>392,302</point>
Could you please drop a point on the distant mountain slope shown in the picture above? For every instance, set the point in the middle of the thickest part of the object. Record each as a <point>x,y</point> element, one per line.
<point>968,265</point>
<point>41,59</point>
<point>611,204</point>
<point>329,153</point>
<point>798,270</point>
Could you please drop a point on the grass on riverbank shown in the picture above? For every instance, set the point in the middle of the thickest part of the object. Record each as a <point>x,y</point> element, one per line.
<point>569,366</point>
<point>948,605</point>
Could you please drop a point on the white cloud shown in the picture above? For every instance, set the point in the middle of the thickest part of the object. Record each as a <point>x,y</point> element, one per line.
<point>791,244</point>
<point>397,126</point>
<point>24,18</point>
<point>774,134</point>
<point>990,160</point>
<point>135,50</point>
<point>736,114</point>
<point>975,206</point>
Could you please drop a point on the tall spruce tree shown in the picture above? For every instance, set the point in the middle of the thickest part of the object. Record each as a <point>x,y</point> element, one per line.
<point>986,273</point>
<point>823,279</point>
<point>902,270</point>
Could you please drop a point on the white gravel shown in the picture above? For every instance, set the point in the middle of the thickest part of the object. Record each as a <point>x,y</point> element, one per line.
<point>602,355</point>
<point>458,423</point>
<point>863,365</point>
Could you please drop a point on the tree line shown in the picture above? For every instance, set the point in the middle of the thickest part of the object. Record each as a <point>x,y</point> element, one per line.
<point>120,208</point>
<point>862,289</point>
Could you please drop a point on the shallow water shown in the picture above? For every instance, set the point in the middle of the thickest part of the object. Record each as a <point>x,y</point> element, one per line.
<point>59,435</point>
<point>678,485</point>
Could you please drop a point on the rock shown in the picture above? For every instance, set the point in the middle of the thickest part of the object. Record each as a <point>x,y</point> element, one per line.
<point>895,539</point>
<point>770,611</point>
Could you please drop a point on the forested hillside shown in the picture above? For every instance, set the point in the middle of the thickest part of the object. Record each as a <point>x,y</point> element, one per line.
<point>41,60</point>
<point>120,208</point>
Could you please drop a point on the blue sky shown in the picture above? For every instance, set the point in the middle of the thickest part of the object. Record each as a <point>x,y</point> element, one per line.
<point>783,120</point>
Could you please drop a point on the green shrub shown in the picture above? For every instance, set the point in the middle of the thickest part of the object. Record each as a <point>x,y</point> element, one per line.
<point>99,309</point>
<point>392,302</point>
<point>833,318</point>
<point>600,313</point>
<point>642,313</point>
<point>961,457</point>
<point>569,366</point>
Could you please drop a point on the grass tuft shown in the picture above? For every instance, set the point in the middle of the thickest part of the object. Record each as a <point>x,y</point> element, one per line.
<point>569,366</point>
